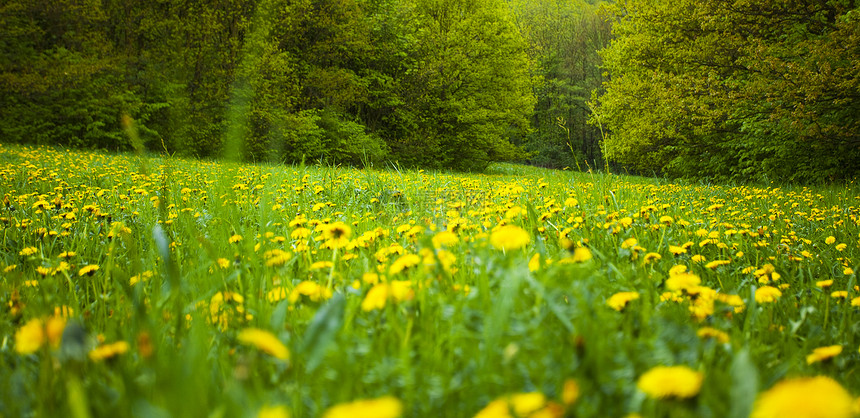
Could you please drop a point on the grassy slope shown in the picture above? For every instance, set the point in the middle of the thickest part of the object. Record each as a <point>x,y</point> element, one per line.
<point>470,332</point>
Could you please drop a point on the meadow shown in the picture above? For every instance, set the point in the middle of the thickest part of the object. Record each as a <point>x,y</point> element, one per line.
<point>154,286</point>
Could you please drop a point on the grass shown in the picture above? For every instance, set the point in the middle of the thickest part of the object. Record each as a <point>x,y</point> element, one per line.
<point>372,300</point>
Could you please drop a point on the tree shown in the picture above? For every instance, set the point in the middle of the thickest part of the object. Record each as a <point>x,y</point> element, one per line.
<point>468,89</point>
<point>563,36</point>
<point>60,77</point>
<point>735,90</point>
<point>440,83</point>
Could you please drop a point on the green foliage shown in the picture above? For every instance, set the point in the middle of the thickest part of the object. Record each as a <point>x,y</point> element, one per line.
<point>467,88</point>
<point>60,81</point>
<point>341,80</point>
<point>754,90</point>
<point>563,38</point>
<point>347,141</point>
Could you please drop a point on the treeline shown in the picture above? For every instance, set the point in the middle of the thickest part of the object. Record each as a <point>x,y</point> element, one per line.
<point>733,90</point>
<point>432,83</point>
<point>564,38</point>
<point>737,90</point>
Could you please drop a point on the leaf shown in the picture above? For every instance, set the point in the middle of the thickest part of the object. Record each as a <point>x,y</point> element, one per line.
<point>322,330</point>
<point>552,303</point>
<point>744,384</point>
<point>279,315</point>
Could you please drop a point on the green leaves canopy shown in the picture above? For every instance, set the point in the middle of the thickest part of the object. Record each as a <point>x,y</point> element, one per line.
<point>430,83</point>
<point>737,89</point>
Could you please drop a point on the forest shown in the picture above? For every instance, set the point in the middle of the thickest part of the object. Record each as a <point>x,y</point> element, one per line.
<point>729,90</point>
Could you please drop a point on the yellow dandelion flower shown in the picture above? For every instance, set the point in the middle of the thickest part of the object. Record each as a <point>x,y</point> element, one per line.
<point>30,337</point>
<point>671,297</point>
<point>28,251</point>
<point>823,353</point>
<point>670,382</point>
<point>733,300</point>
<point>652,257</point>
<point>620,300</point>
<point>264,341</point>
<point>277,257</point>
<point>848,271</point>
<point>839,294</point>
<point>447,259</point>
<point>677,269</point>
<point>376,297</point>
<point>533,404</point>
<point>370,278</point>
<point>406,227</point>
<point>534,263</point>
<point>54,328</point>
<point>223,262</point>
<point>683,281</point>
<point>514,212</point>
<point>842,246</point>
<point>401,290</point>
<point>321,265</point>
<point>298,220</point>
<point>300,233</point>
<point>415,230</point>
<point>717,263</point>
<point>404,262</point>
<point>445,238</point>
<point>698,258</point>
<point>830,240</point>
<point>312,290</point>
<point>708,332</point>
<point>278,411</point>
<point>767,294</point>
<point>385,407</point>
<point>336,234</point>
<point>349,256</point>
<point>107,351</point>
<point>570,392</point>
<point>234,239</point>
<point>88,270</point>
<point>676,250</point>
<point>805,397</point>
<point>509,238</point>
<point>824,284</point>
<point>580,255</point>
<point>41,204</point>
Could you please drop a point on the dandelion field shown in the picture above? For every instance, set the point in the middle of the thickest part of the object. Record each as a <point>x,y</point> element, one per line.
<point>155,286</point>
